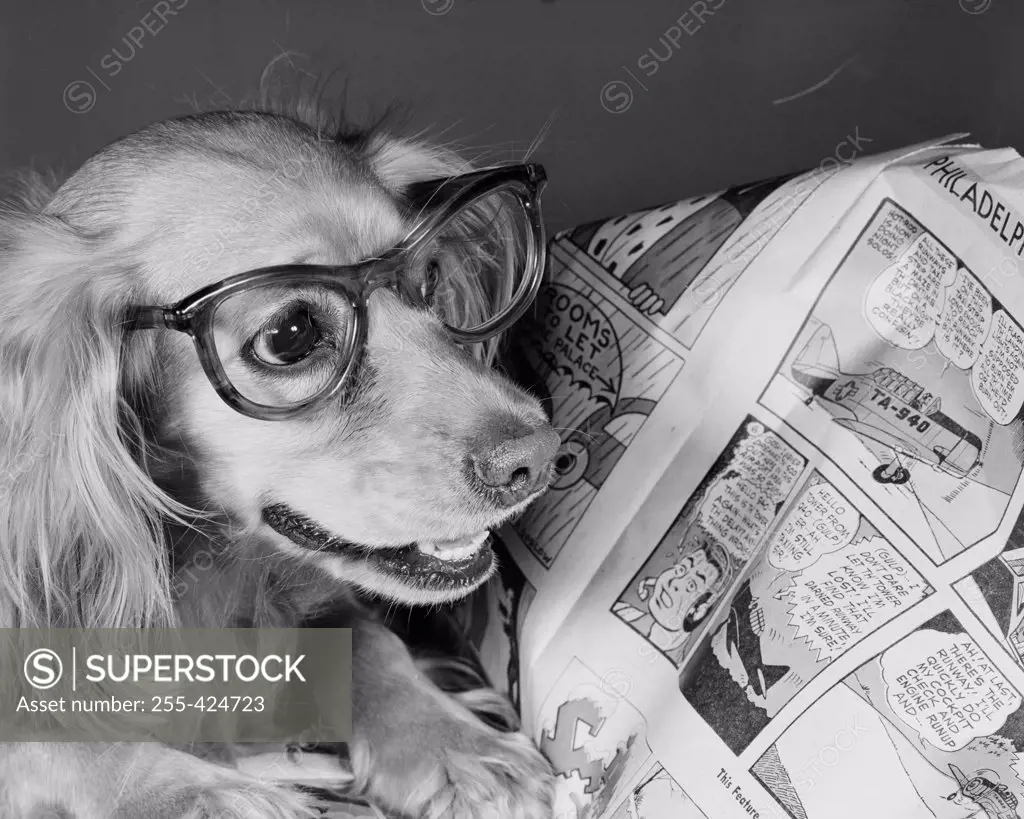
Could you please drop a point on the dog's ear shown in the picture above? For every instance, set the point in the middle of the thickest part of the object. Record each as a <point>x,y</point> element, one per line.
<point>81,541</point>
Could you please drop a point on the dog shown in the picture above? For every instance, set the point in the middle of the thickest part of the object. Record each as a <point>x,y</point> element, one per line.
<point>324,432</point>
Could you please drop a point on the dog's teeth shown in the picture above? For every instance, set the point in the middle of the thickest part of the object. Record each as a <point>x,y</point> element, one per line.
<point>459,549</point>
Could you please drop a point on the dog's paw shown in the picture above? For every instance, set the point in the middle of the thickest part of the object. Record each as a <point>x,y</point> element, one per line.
<point>502,776</point>
<point>460,768</point>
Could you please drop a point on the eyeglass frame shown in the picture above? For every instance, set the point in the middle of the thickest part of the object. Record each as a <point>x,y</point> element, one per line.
<point>194,314</point>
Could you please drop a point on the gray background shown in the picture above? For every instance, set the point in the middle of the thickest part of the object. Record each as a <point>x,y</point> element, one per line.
<point>491,73</point>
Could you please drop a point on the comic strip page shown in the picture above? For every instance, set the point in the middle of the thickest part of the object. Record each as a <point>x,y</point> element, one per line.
<point>601,376</point>
<point>929,728</point>
<point>713,537</point>
<point>676,263</point>
<point>909,371</point>
<point>811,603</point>
<point>826,580</point>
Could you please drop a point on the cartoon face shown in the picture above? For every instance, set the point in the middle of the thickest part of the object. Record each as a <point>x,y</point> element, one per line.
<point>682,588</point>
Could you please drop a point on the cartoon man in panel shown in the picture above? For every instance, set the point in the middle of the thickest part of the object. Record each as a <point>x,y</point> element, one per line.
<point>681,597</point>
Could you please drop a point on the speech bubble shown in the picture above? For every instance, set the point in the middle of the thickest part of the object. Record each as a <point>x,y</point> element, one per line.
<point>904,302</point>
<point>576,339</point>
<point>965,320</point>
<point>737,513</point>
<point>767,461</point>
<point>998,376</point>
<point>946,689</point>
<point>844,595</point>
<point>822,521</point>
<point>895,232</point>
<point>739,508</point>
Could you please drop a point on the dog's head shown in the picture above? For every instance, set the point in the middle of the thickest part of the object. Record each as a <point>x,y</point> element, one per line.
<point>392,485</point>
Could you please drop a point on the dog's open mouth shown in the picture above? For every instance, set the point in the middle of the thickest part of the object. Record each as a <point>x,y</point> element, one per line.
<point>436,564</point>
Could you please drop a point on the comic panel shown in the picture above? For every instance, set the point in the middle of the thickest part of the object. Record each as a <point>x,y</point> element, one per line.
<point>929,728</point>
<point>492,620</point>
<point>711,540</point>
<point>995,593</point>
<point>601,376</point>
<point>657,796</point>
<point>675,263</point>
<point>595,740</point>
<point>828,579</point>
<point>919,392</point>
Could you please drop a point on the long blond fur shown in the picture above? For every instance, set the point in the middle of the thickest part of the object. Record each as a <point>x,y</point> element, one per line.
<point>80,519</point>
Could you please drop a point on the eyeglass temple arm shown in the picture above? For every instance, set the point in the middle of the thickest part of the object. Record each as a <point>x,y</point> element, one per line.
<point>152,318</point>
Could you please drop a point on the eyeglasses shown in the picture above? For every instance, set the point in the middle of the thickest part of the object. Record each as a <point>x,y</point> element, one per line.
<point>279,342</point>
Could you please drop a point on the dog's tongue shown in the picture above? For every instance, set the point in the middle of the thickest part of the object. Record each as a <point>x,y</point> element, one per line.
<point>461,548</point>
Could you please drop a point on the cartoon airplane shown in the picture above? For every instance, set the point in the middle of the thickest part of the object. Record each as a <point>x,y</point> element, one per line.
<point>997,800</point>
<point>888,408</point>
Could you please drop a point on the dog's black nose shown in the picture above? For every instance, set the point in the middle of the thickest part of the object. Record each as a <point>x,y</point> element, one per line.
<point>515,459</point>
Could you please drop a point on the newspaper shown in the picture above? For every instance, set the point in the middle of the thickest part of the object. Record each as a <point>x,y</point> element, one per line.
<point>780,572</point>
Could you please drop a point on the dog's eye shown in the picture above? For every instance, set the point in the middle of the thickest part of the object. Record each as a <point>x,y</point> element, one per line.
<point>288,338</point>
